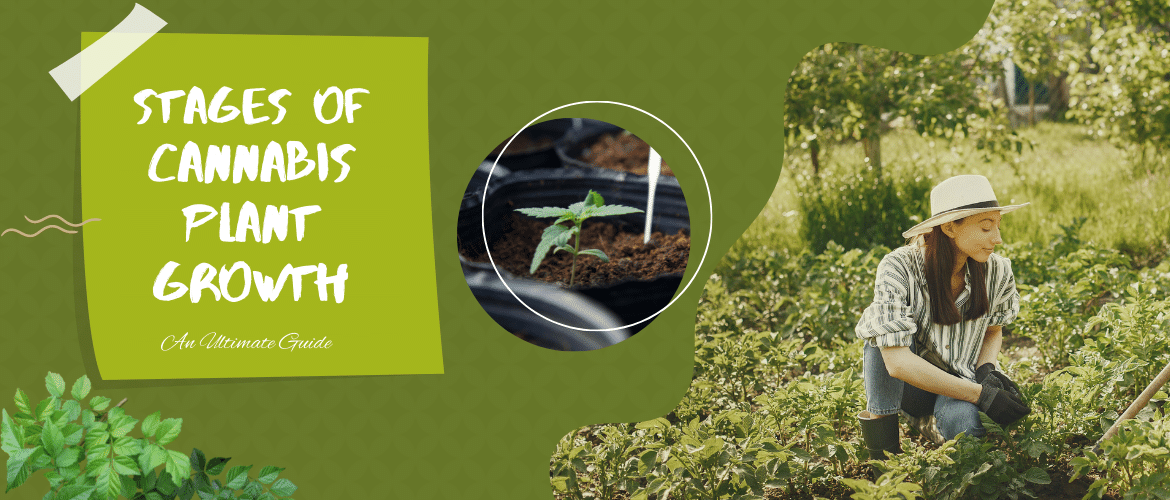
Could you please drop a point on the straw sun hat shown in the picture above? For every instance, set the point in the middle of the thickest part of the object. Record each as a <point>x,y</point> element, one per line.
<point>958,197</point>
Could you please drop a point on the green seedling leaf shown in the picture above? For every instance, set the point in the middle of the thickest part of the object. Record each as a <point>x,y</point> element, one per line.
<point>22,402</point>
<point>150,424</point>
<point>576,209</point>
<point>594,199</point>
<point>283,487</point>
<point>55,384</point>
<point>99,403</point>
<point>543,212</point>
<point>596,253</point>
<point>81,388</point>
<point>547,241</point>
<point>198,460</point>
<point>52,439</point>
<point>609,210</point>
<point>168,430</point>
<point>216,465</point>
<point>269,473</point>
<point>237,477</point>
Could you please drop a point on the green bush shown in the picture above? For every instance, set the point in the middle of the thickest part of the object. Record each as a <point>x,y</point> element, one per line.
<point>860,211</point>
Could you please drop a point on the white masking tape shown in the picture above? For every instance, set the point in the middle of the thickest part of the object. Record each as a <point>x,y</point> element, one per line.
<point>88,66</point>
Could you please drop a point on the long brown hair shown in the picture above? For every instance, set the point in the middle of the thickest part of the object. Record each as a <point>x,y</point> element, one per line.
<point>940,263</point>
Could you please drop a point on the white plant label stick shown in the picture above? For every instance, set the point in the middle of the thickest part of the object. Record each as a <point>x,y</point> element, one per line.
<point>653,169</point>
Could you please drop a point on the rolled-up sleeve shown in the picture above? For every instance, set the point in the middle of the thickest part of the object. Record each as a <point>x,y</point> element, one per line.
<point>889,321</point>
<point>1006,303</point>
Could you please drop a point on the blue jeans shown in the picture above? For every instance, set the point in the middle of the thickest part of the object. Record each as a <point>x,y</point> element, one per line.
<point>886,395</point>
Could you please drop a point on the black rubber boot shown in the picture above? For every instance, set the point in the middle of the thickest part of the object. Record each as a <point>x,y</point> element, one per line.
<point>880,435</point>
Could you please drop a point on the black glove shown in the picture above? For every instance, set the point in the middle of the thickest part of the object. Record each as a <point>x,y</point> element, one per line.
<point>988,369</point>
<point>1000,404</point>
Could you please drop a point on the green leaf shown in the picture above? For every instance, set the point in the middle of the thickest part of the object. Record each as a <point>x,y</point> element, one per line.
<point>154,495</point>
<point>177,464</point>
<point>122,424</point>
<point>97,452</point>
<point>168,430</point>
<point>543,212</point>
<point>150,424</point>
<point>1037,475</point>
<point>55,384</point>
<point>596,253</point>
<point>547,240</point>
<point>185,490</point>
<point>109,484</point>
<point>72,410</point>
<point>45,409</point>
<point>125,465</point>
<point>73,434</point>
<point>216,465</point>
<point>99,403</point>
<point>127,445</point>
<point>198,460</point>
<point>237,477</point>
<point>594,199</point>
<point>576,209</point>
<point>283,487</point>
<point>22,402</point>
<point>269,473</point>
<point>69,456</point>
<point>52,439</point>
<point>74,492</point>
<point>81,388</point>
<point>18,466</point>
<point>11,434</point>
<point>609,210</point>
<point>166,484</point>
<point>253,488</point>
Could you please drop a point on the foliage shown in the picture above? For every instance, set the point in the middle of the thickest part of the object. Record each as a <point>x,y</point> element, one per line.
<point>556,237</point>
<point>860,211</point>
<point>1040,54</point>
<point>91,453</point>
<point>1121,80</point>
<point>1135,461</point>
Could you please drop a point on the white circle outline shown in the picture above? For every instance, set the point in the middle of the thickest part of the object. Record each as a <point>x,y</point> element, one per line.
<point>710,216</point>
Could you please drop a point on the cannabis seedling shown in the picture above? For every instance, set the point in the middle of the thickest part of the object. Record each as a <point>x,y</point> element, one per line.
<point>556,237</point>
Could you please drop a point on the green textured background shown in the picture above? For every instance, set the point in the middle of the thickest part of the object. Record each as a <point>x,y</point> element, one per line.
<point>486,428</point>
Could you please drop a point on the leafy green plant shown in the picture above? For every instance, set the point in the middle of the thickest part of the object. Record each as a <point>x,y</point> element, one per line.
<point>556,237</point>
<point>1133,462</point>
<point>91,453</point>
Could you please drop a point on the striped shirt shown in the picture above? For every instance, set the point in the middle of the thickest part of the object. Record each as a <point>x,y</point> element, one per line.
<point>900,312</point>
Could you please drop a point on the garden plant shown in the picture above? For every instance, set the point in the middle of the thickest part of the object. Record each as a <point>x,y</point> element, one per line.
<point>556,237</point>
<point>91,451</point>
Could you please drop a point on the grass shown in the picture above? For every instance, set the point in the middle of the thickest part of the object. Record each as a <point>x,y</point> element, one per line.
<point>1065,176</point>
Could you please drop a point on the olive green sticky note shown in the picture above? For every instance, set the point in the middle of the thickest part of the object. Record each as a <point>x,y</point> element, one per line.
<point>265,209</point>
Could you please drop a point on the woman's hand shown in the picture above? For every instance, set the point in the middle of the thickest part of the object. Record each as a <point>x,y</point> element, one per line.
<point>1000,404</point>
<point>988,370</point>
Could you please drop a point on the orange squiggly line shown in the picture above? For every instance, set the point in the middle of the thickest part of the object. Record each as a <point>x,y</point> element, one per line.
<point>61,218</point>
<point>54,226</point>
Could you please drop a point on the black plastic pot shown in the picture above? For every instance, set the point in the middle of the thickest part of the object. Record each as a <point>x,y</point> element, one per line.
<point>516,157</point>
<point>632,299</point>
<point>575,140</point>
<point>560,305</point>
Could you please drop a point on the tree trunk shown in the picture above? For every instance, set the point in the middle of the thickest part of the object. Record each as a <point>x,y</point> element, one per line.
<point>814,150</point>
<point>872,142</point>
<point>1031,104</point>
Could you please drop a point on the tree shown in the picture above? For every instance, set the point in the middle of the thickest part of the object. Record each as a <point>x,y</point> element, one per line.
<point>843,91</point>
<point>1035,35</point>
<point>1120,86</point>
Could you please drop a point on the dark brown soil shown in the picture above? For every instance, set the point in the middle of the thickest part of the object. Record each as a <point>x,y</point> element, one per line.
<point>628,257</point>
<point>525,143</point>
<point>621,151</point>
